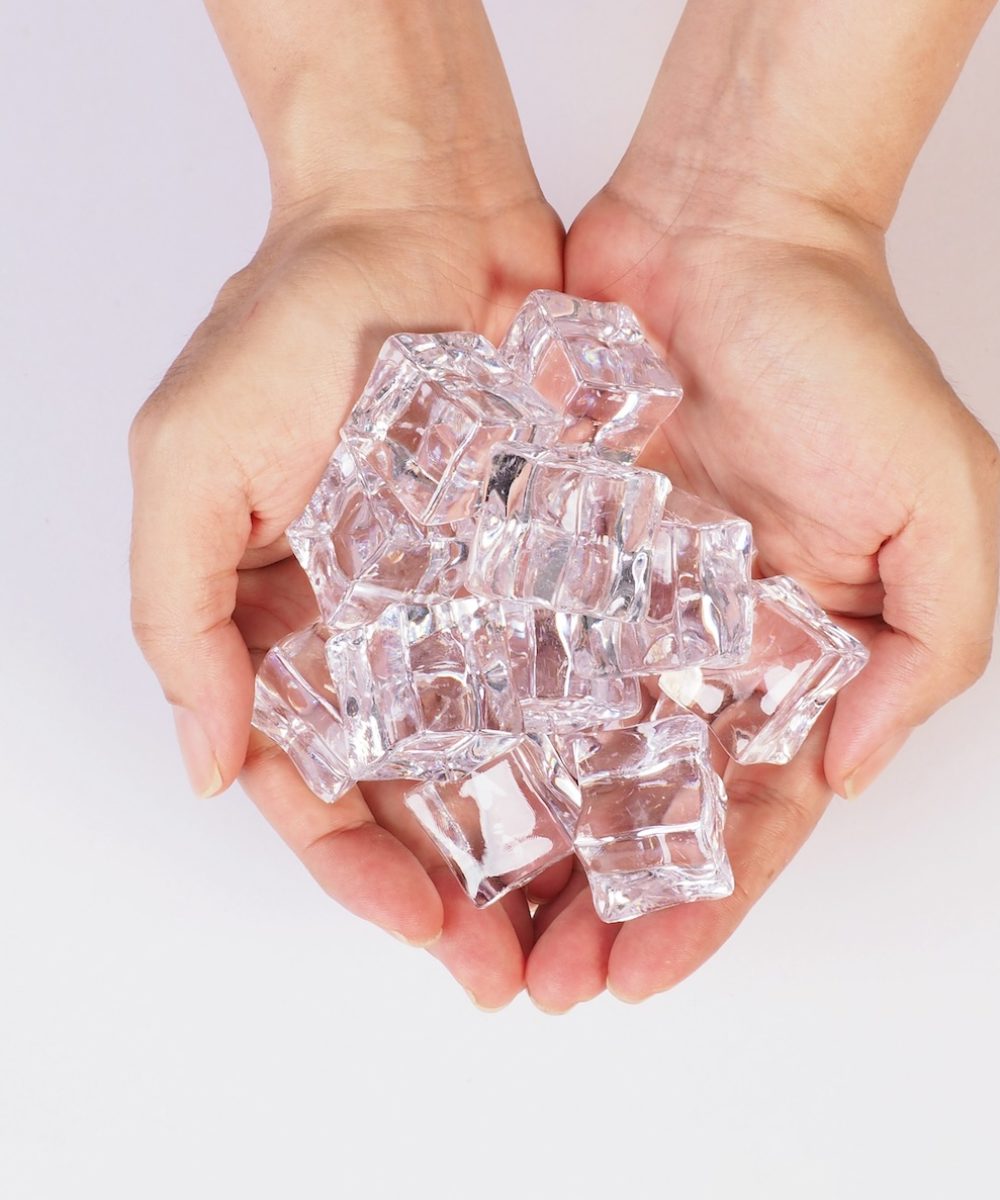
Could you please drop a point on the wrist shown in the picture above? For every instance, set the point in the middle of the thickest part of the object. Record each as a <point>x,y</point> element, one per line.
<point>430,158</point>
<point>697,191</point>
<point>803,107</point>
<point>386,104</point>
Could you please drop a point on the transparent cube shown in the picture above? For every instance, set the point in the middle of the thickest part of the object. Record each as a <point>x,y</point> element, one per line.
<point>567,530</point>
<point>565,669</point>
<point>363,551</point>
<point>425,691</point>
<point>593,361</point>
<point>504,823</point>
<point>296,706</point>
<point>575,533</point>
<point>431,412</point>
<point>762,710</point>
<point>650,829</point>
<point>700,595</point>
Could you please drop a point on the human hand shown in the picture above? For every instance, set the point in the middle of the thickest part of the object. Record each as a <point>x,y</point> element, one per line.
<point>226,453</point>
<point>813,409</point>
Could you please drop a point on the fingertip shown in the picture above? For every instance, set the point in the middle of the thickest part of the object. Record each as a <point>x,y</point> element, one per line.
<point>550,883</point>
<point>415,943</point>
<point>863,776</point>
<point>874,715</point>
<point>654,953</point>
<point>569,963</point>
<point>549,1012</point>
<point>619,995</point>
<point>201,761</point>
<point>479,946</point>
<point>485,1008</point>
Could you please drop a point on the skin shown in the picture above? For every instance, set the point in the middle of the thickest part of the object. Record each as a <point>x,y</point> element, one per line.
<point>746,226</point>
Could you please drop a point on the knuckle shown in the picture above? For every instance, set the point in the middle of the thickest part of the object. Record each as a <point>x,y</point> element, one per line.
<point>783,815</point>
<point>151,627</point>
<point>141,432</point>
<point>163,631</point>
<point>157,429</point>
<point>972,661</point>
<point>750,793</point>
<point>985,460</point>
<point>150,637</point>
<point>960,663</point>
<point>742,897</point>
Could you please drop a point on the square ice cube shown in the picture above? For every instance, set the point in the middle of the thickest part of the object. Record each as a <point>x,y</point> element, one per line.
<point>568,530</point>
<point>363,551</point>
<point>504,823</point>
<point>565,670</point>
<point>296,706</point>
<point>762,709</point>
<point>431,412</point>
<point>651,818</point>
<point>425,691</point>
<point>573,532</point>
<point>592,360</point>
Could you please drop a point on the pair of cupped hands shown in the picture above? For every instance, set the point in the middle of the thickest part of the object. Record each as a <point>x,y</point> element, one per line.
<point>811,408</point>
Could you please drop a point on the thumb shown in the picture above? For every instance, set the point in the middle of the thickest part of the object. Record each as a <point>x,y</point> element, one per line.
<point>940,580</point>
<point>191,523</point>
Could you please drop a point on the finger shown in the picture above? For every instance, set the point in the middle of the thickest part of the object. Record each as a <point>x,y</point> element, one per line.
<point>569,961</point>
<point>771,812</point>
<point>515,904</point>
<point>551,882</point>
<point>546,912</point>
<point>271,603</point>
<point>479,946</point>
<point>483,948</point>
<point>358,863</point>
<point>191,523</point>
<point>264,556</point>
<point>940,579</point>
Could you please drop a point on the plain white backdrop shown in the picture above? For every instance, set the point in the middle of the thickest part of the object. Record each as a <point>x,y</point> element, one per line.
<point>182,1013</point>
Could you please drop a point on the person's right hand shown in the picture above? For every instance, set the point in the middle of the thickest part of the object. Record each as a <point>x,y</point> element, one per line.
<point>225,454</point>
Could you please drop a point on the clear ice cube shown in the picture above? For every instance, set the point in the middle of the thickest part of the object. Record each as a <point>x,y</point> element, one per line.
<point>576,533</point>
<point>425,691</point>
<point>296,706</point>
<point>431,412</point>
<point>567,530</point>
<point>363,551</point>
<point>503,824</point>
<point>650,828</point>
<point>593,361</point>
<point>762,710</point>
<point>565,669</point>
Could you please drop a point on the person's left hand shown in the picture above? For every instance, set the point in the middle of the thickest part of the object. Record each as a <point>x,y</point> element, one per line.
<point>814,410</point>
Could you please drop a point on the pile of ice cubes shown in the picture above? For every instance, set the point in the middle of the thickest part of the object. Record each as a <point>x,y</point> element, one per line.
<point>541,633</point>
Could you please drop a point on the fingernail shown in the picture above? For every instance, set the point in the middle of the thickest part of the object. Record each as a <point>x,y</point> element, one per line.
<point>622,998</point>
<point>549,1012</point>
<point>199,757</point>
<point>415,943</point>
<point>482,1007</point>
<point>873,766</point>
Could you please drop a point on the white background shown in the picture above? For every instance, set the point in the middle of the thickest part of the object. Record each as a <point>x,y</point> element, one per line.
<point>182,1013</point>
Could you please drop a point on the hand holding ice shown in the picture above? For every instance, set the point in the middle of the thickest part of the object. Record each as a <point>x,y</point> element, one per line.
<point>502,593</point>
